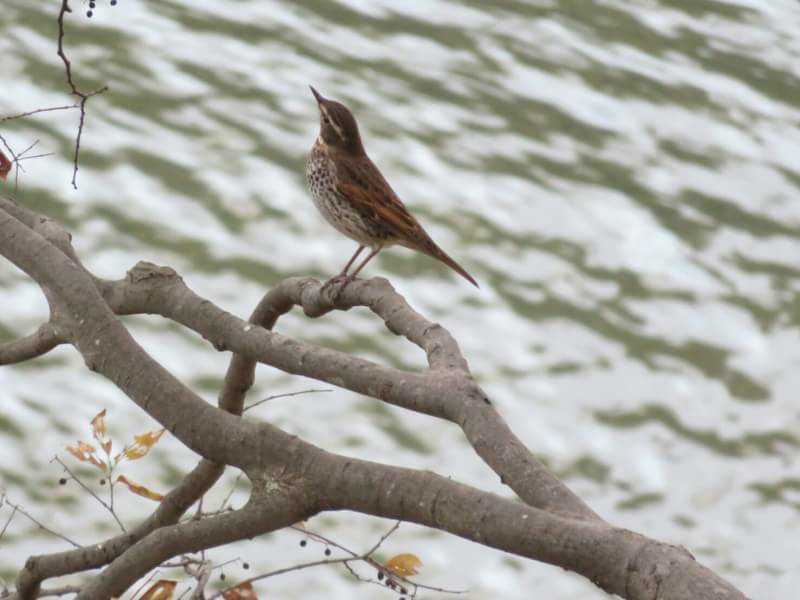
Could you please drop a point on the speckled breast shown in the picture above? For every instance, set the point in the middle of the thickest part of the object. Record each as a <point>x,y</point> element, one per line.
<point>321,177</point>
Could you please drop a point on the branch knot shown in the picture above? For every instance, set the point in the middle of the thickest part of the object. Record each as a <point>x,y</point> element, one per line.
<point>146,270</point>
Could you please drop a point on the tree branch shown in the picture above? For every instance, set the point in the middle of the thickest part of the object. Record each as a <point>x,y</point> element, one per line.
<point>293,479</point>
<point>44,339</point>
<point>276,510</point>
<point>446,391</point>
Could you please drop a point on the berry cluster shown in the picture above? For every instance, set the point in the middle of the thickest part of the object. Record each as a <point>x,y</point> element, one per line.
<point>93,5</point>
<point>392,584</point>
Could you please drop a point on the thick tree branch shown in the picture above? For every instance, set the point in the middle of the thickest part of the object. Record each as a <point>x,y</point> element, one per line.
<point>446,391</point>
<point>171,508</point>
<point>274,510</point>
<point>293,479</point>
<point>617,560</point>
<point>238,380</point>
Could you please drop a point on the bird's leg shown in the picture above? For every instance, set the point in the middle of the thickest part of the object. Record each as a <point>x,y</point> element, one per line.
<point>343,276</point>
<point>366,260</point>
<point>352,260</point>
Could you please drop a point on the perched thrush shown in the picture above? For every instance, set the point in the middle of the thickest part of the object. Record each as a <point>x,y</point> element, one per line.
<point>352,195</point>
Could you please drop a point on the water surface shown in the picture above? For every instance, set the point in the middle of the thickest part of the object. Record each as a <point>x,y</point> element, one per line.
<point>621,177</point>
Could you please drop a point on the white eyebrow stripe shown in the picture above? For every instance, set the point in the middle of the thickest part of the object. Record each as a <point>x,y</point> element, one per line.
<point>333,123</point>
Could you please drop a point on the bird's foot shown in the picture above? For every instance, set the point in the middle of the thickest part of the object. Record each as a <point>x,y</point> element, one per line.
<point>339,282</point>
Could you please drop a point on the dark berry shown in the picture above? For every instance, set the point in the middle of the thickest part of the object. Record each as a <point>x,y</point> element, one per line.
<point>102,482</point>
<point>63,481</point>
<point>91,5</point>
<point>89,13</point>
<point>222,576</point>
<point>380,575</point>
<point>327,551</point>
<point>245,566</point>
<point>113,2</point>
<point>303,543</point>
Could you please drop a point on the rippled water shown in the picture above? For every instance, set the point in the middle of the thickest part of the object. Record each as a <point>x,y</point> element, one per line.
<point>621,177</point>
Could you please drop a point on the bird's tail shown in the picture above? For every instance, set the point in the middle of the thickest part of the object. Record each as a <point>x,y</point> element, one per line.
<point>430,248</point>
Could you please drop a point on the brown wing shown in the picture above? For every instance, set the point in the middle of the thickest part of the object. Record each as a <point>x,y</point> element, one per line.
<point>360,182</point>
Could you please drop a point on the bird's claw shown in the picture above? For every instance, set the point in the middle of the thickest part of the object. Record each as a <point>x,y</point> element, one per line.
<point>341,280</point>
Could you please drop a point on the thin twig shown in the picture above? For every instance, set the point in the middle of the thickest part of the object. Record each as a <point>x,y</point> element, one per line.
<point>10,518</point>
<point>109,508</point>
<point>21,158</point>
<point>17,158</point>
<point>36,112</point>
<point>227,498</point>
<point>146,581</point>
<point>352,557</point>
<point>84,96</point>
<point>367,558</point>
<point>329,561</point>
<point>42,525</point>
<point>289,395</point>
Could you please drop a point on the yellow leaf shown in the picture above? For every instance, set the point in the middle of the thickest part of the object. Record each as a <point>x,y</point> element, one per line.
<point>243,591</point>
<point>106,447</point>
<point>140,490</point>
<point>404,565</point>
<point>160,590</point>
<point>150,438</point>
<point>142,444</point>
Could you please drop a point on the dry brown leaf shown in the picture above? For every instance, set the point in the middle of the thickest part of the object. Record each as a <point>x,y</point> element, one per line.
<point>76,452</point>
<point>97,462</point>
<point>86,448</point>
<point>140,490</point>
<point>403,565</point>
<point>85,453</point>
<point>99,425</point>
<point>243,591</point>
<point>160,590</point>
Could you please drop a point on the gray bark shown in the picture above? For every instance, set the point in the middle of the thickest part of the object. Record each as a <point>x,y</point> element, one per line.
<point>291,478</point>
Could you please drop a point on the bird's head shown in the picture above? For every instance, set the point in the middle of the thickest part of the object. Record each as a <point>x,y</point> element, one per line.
<point>337,126</point>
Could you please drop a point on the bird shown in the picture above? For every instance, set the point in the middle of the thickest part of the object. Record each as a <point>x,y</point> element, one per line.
<point>355,198</point>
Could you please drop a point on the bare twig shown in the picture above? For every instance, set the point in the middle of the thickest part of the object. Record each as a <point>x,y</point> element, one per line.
<point>202,574</point>
<point>42,525</point>
<point>8,522</point>
<point>108,507</point>
<point>145,582</point>
<point>352,557</point>
<point>227,498</point>
<point>16,160</point>
<point>30,113</point>
<point>84,96</point>
<point>288,395</point>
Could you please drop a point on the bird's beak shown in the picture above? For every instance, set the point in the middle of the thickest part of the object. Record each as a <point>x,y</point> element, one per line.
<point>320,98</point>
